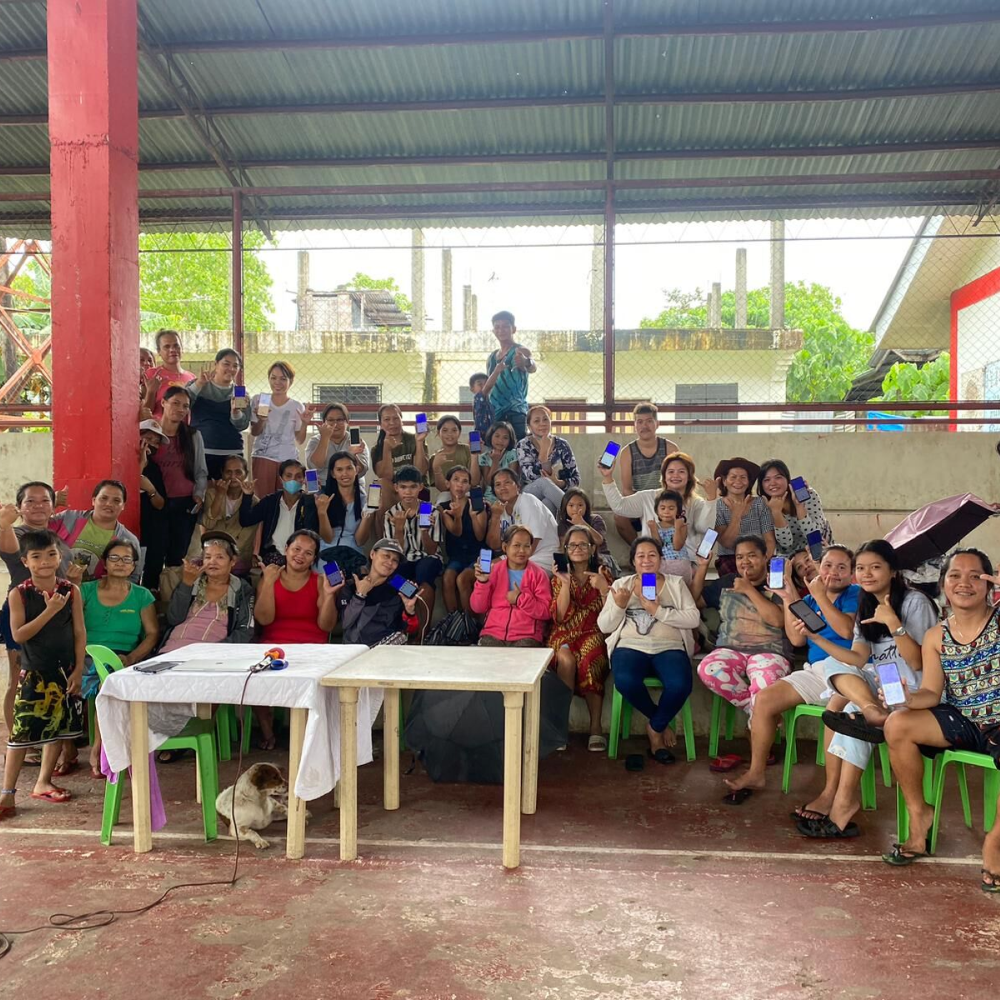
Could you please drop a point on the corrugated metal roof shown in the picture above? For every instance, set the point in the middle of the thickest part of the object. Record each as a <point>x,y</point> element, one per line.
<point>727,62</point>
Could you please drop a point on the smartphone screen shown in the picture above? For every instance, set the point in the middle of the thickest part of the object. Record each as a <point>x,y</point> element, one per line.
<point>776,574</point>
<point>815,542</point>
<point>424,516</point>
<point>263,404</point>
<point>374,496</point>
<point>562,561</point>
<point>333,574</point>
<point>705,549</point>
<point>485,560</point>
<point>807,616</point>
<point>407,588</point>
<point>475,442</point>
<point>421,423</point>
<point>240,391</point>
<point>476,499</point>
<point>610,454</point>
<point>312,481</point>
<point>649,586</point>
<point>799,489</point>
<point>892,686</point>
<point>355,436</point>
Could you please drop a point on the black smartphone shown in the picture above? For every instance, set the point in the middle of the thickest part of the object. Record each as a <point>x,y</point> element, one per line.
<point>476,499</point>
<point>807,616</point>
<point>562,562</point>
<point>355,436</point>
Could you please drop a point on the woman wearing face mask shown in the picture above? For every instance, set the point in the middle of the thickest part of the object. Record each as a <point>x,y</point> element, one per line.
<point>216,412</point>
<point>281,513</point>
<point>334,435</point>
<point>737,512</point>
<point>794,520</point>
<point>548,466</point>
<point>344,515</point>
<point>373,611</point>
<point>277,429</point>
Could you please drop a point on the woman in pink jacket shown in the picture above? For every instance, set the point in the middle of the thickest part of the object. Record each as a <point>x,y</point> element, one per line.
<point>515,595</point>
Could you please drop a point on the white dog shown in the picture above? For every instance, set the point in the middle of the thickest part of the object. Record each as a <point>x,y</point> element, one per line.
<point>261,797</point>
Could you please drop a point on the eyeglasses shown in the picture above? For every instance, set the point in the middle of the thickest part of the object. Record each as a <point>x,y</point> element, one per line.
<point>120,559</point>
<point>577,545</point>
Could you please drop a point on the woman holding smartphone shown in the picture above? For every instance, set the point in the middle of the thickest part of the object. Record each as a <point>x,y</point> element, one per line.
<point>579,589</point>
<point>548,466</point>
<point>648,618</point>
<point>278,426</point>
<point>344,515</point>
<point>217,412</point>
<point>794,519</point>
<point>373,611</point>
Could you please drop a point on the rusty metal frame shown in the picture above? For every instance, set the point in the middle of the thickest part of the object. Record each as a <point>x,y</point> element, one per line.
<point>34,357</point>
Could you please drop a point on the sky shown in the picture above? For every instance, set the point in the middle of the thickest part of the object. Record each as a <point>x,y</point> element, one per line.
<point>543,274</point>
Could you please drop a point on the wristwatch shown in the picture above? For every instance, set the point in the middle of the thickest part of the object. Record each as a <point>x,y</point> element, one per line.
<point>899,631</point>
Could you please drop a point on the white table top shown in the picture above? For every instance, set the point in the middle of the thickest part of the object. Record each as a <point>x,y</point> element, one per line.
<point>446,668</point>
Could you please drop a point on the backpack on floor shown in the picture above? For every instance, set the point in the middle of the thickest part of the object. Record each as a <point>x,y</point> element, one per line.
<point>455,629</point>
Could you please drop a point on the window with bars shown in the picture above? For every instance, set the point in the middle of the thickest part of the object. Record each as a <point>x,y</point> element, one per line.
<point>705,394</point>
<point>351,395</point>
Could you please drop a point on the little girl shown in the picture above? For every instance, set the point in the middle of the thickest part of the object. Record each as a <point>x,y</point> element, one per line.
<point>46,615</point>
<point>671,528</point>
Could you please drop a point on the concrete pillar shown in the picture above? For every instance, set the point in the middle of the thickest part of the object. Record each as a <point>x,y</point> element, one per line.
<point>473,312</point>
<point>778,275</point>
<point>94,139</point>
<point>597,281</point>
<point>709,310</point>
<point>302,291</point>
<point>467,323</point>
<point>715,312</point>
<point>446,291</point>
<point>418,318</point>
<point>740,321</point>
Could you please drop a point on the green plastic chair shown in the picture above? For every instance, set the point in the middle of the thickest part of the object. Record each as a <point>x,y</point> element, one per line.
<point>227,730</point>
<point>718,702</point>
<point>902,816</point>
<point>991,788</point>
<point>791,750</point>
<point>198,735</point>
<point>621,721</point>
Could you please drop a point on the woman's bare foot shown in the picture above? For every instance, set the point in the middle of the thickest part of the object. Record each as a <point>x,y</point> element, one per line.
<point>921,821</point>
<point>875,714</point>
<point>655,739</point>
<point>748,779</point>
<point>991,857</point>
<point>669,738</point>
<point>821,805</point>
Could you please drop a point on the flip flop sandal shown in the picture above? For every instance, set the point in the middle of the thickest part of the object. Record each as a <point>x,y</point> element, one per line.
<point>171,756</point>
<point>33,760</point>
<point>9,812</point>
<point>57,795</point>
<point>723,765</point>
<point>855,725</point>
<point>97,775</point>
<point>826,829</point>
<point>738,797</point>
<point>801,812</point>
<point>662,756</point>
<point>985,886</point>
<point>597,744</point>
<point>899,856</point>
<point>61,770</point>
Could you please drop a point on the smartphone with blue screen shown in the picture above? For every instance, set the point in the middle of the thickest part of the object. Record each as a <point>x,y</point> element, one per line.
<point>421,423</point>
<point>649,586</point>
<point>475,442</point>
<point>815,542</point>
<point>485,560</point>
<point>776,574</point>
<point>333,574</point>
<point>312,481</point>
<point>891,682</point>
<point>799,489</point>
<point>476,499</point>
<point>610,454</point>
<point>406,588</point>
<point>424,516</point>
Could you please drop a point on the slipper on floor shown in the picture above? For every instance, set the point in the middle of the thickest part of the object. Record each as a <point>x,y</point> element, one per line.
<point>171,756</point>
<point>899,856</point>
<point>855,725</point>
<point>985,886</point>
<point>61,770</point>
<point>33,759</point>
<point>801,812</point>
<point>58,795</point>
<point>97,775</point>
<point>826,829</point>
<point>597,743</point>
<point>9,812</point>
<point>723,765</point>
<point>662,756</point>
<point>737,797</point>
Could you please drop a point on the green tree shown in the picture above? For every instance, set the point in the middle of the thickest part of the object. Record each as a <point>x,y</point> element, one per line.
<point>362,281</point>
<point>185,282</point>
<point>928,383</point>
<point>833,352</point>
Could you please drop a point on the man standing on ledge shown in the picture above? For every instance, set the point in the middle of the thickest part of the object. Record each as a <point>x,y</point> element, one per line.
<point>509,365</point>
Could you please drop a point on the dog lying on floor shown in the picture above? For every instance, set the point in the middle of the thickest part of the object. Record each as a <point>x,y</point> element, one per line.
<point>261,798</point>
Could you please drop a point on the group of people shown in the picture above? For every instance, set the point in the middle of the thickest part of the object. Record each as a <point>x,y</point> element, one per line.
<point>290,549</point>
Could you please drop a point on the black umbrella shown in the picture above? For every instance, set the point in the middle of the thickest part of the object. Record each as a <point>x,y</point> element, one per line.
<point>937,527</point>
<point>459,735</point>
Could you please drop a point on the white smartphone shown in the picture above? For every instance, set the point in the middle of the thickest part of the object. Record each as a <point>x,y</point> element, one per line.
<point>892,684</point>
<point>312,481</point>
<point>708,543</point>
<point>263,404</point>
<point>374,497</point>
<point>776,573</point>
<point>485,561</point>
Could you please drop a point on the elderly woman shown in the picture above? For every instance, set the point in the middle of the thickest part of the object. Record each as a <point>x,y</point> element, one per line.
<point>170,373</point>
<point>651,636</point>
<point>737,512</point>
<point>578,595</point>
<point>373,611</point>
<point>333,436</point>
<point>547,463</point>
<point>794,520</point>
<point>216,412</point>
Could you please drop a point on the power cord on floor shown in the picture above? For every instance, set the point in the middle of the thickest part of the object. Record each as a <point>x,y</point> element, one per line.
<point>102,918</point>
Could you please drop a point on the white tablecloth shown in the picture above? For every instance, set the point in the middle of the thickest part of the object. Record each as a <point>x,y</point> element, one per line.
<point>173,695</point>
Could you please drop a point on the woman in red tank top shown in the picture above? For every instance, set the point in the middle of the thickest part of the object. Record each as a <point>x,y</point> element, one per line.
<point>294,604</point>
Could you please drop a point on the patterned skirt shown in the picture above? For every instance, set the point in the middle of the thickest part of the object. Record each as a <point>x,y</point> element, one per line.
<point>43,711</point>
<point>591,656</point>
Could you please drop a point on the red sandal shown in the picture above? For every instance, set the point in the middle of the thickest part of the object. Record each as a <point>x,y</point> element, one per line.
<point>723,765</point>
<point>58,795</point>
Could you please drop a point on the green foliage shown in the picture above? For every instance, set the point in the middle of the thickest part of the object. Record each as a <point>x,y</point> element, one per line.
<point>833,353</point>
<point>362,280</point>
<point>906,382</point>
<point>192,291</point>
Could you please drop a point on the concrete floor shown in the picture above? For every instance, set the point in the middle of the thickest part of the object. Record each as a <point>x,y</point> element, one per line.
<point>631,886</point>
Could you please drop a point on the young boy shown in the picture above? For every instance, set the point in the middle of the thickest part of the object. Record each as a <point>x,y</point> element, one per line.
<point>466,530</point>
<point>46,616</point>
<point>482,410</point>
<point>421,546</point>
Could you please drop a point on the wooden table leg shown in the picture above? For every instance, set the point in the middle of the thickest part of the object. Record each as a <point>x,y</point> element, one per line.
<point>529,774</point>
<point>348,773</point>
<point>203,711</point>
<point>390,748</point>
<point>295,844</point>
<point>142,833</point>
<point>513,704</point>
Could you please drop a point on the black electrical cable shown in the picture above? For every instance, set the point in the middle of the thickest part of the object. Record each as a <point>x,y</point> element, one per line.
<point>102,918</point>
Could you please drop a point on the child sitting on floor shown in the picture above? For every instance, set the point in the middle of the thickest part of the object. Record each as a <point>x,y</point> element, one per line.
<point>46,616</point>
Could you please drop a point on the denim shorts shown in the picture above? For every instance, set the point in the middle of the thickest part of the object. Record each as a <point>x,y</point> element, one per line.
<point>424,570</point>
<point>458,566</point>
<point>964,734</point>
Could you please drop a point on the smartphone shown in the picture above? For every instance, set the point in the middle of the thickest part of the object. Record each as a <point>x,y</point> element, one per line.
<point>649,586</point>
<point>892,685</point>
<point>562,561</point>
<point>807,616</point>
<point>421,423</point>
<point>476,499</point>
<point>154,668</point>
<point>312,481</point>
<point>485,560</point>
<point>406,588</point>
<point>610,454</point>
<point>263,404</point>
<point>240,391</point>
<point>815,542</point>
<point>374,496</point>
<point>707,543</point>
<point>475,442</point>
<point>424,516</point>
<point>333,574</point>
<point>799,489</point>
<point>776,574</point>
<point>355,436</point>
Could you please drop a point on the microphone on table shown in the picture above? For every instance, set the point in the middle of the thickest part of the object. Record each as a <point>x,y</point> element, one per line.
<point>273,659</point>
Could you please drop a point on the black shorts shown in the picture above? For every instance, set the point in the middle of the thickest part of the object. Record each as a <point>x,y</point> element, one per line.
<point>964,734</point>
<point>424,570</point>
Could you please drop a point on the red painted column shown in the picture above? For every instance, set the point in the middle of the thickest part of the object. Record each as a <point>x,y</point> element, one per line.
<point>94,136</point>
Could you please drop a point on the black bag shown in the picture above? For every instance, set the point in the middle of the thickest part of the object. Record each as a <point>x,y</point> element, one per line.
<point>456,629</point>
<point>349,560</point>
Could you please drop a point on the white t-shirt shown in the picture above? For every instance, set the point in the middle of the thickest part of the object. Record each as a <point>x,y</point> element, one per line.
<point>277,440</point>
<point>917,615</point>
<point>538,519</point>
<point>285,525</point>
